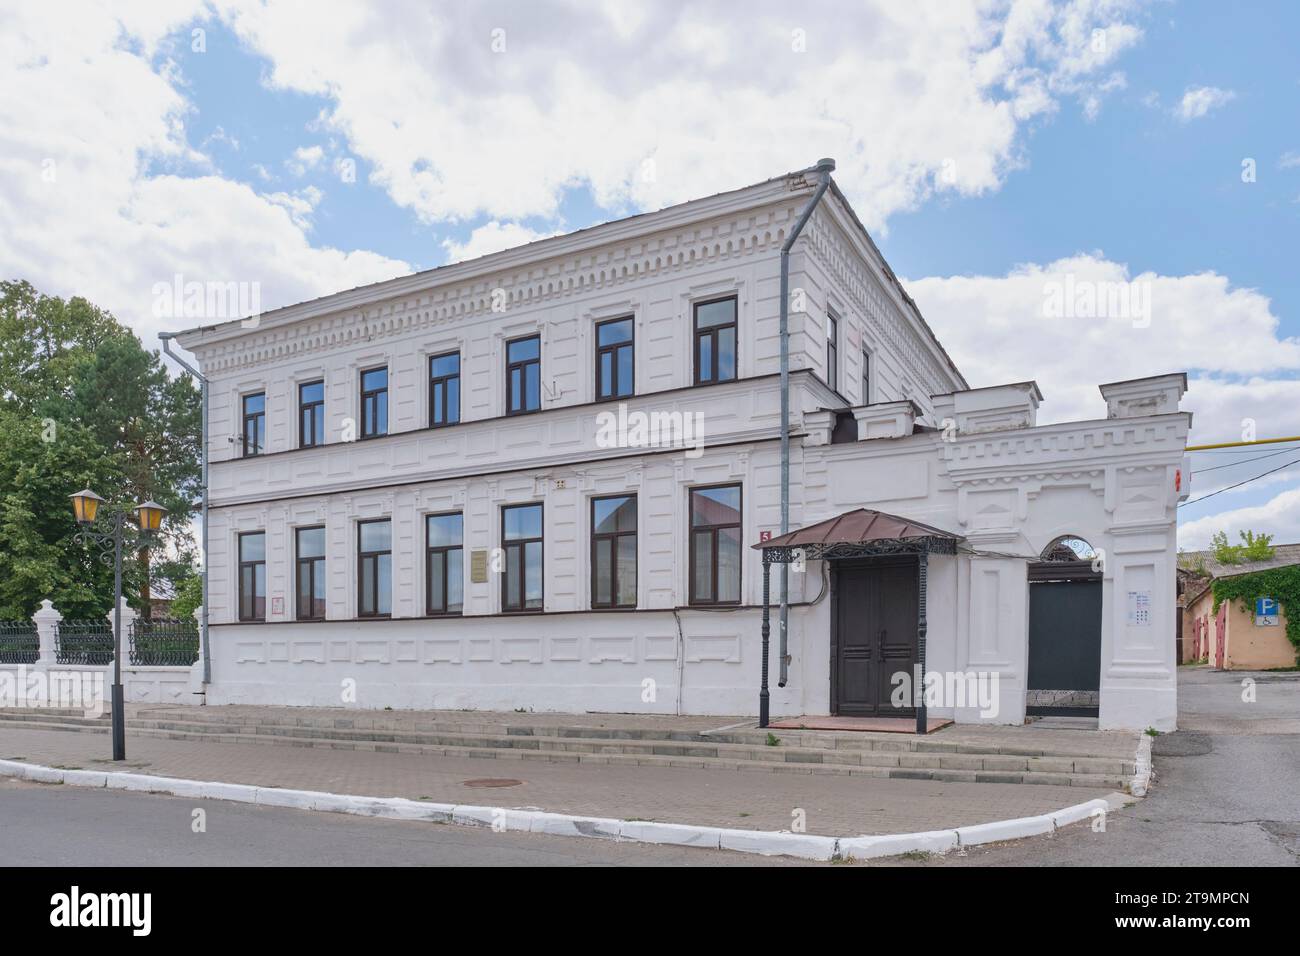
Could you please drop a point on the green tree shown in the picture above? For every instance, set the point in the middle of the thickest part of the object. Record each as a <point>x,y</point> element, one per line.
<point>82,403</point>
<point>1253,547</point>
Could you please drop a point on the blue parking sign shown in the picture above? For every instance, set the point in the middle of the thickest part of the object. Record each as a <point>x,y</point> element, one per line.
<point>1265,612</point>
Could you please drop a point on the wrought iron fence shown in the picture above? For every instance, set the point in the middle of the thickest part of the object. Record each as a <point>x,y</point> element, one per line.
<point>164,642</point>
<point>84,642</point>
<point>19,643</point>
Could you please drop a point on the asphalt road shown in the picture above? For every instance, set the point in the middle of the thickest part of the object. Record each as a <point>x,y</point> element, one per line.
<point>1226,794</point>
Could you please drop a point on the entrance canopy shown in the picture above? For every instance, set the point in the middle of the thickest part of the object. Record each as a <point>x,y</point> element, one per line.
<point>861,533</point>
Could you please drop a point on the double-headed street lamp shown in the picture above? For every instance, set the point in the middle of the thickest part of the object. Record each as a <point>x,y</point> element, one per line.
<point>85,506</point>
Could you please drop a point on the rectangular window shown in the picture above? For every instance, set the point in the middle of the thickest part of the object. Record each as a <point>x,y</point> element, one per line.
<point>715,545</point>
<point>374,568</point>
<point>524,375</point>
<point>374,402</point>
<point>614,375</point>
<point>715,341</point>
<point>311,414</point>
<point>309,575</point>
<point>252,576</point>
<point>254,433</point>
<point>521,538</point>
<point>613,551</point>
<point>444,389</point>
<point>444,569</point>
<point>832,351</point>
<point>866,377</point>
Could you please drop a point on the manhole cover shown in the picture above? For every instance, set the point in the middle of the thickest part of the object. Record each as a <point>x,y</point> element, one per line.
<point>493,782</point>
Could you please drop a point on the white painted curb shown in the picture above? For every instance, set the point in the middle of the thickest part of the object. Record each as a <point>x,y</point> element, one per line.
<point>1142,768</point>
<point>765,842</point>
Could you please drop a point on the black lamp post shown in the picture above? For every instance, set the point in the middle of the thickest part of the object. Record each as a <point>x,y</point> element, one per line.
<point>85,506</point>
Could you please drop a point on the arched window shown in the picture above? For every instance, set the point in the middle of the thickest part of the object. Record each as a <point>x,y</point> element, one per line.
<point>1069,547</point>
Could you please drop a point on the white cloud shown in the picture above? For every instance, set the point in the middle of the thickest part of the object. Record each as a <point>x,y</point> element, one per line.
<point>1279,516</point>
<point>304,158</point>
<point>1289,160</point>
<point>1199,100</point>
<point>492,237</point>
<point>1010,328</point>
<point>84,116</point>
<point>897,93</point>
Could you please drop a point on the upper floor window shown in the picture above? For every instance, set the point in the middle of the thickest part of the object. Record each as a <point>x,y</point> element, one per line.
<point>832,351</point>
<point>524,375</point>
<point>374,402</point>
<point>866,377</point>
<point>444,564</point>
<point>309,574</point>
<point>311,414</point>
<point>521,538</point>
<point>254,430</point>
<point>614,375</point>
<point>715,545</point>
<point>252,576</point>
<point>374,568</point>
<point>444,389</point>
<point>715,341</point>
<point>613,551</point>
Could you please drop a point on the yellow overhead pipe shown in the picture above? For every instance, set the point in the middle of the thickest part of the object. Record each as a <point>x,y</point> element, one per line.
<point>1241,444</point>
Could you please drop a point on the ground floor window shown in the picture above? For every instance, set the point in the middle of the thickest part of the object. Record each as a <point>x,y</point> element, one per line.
<point>715,545</point>
<point>613,551</point>
<point>521,540</point>
<point>374,568</point>
<point>445,579</point>
<point>252,576</point>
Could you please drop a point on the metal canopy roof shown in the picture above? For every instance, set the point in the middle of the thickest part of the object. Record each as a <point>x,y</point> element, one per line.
<point>860,533</point>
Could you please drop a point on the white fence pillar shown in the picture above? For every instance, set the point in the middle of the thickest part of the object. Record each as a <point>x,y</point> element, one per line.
<point>47,628</point>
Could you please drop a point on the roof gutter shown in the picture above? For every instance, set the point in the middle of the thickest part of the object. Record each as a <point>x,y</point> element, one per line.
<point>823,168</point>
<point>166,339</point>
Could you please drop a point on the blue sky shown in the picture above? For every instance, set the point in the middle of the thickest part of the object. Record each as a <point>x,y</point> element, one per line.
<point>1100,139</point>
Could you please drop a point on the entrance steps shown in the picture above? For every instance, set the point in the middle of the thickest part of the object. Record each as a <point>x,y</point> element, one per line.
<point>653,742</point>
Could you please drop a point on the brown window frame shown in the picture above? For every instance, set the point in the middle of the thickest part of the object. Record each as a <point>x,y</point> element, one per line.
<point>832,351</point>
<point>866,376</point>
<point>371,392</point>
<point>522,366</point>
<point>361,556</point>
<point>317,409</point>
<point>242,564</point>
<point>691,530</point>
<point>712,333</point>
<point>259,418</point>
<point>444,382</point>
<point>299,563</point>
<point>444,549</point>
<point>612,350</point>
<point>520,543</point>
<point>613,536</point>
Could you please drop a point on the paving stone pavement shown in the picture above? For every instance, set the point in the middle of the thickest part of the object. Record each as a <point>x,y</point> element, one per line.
<point>832,805</point>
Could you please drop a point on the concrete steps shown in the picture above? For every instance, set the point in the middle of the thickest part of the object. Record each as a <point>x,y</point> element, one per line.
<point>464,735</point>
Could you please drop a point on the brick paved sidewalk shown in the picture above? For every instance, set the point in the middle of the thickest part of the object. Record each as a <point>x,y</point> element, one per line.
<point>834,805</point>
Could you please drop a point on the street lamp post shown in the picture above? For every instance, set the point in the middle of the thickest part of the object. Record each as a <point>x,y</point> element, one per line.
<point>85,507</point>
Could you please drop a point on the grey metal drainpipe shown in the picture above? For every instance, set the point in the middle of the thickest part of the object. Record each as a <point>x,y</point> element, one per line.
<point>823,168</point>
<point>166,338</point>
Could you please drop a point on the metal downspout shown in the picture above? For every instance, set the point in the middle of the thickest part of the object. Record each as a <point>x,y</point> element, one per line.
<point>823,168</point>
<point>166,339</point>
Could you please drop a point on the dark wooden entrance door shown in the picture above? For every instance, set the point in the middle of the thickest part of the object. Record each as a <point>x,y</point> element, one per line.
<point>1064,640</point>
<point>873,635</point>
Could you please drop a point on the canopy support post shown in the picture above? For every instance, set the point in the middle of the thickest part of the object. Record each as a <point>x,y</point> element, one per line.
<point>922,576</point>
<point>767,631</point>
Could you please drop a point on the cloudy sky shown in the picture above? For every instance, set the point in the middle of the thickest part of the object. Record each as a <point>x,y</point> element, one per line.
<point>996,150</point>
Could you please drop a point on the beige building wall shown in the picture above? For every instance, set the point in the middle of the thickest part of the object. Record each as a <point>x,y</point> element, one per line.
<point>1246,646</point>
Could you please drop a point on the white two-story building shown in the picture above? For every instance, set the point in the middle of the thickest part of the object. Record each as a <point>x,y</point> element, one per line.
<point>536,479</point>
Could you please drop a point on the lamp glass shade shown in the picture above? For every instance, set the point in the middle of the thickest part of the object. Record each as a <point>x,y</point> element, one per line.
<point>150,515</point>
<point>85,506</point>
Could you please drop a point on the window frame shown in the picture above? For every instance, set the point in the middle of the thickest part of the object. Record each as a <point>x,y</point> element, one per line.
<point>612,350</point>
<point>614,604</point>
<point>367,393</point>
<point>429,549</point>
<point>691,530</point>
<point>523,375</point>
<point>317,415</point>
<point>242,564</point>
<point>444,382</point>
<point>245,418</point>
<point>832,351</point>
<point>712,332</point>
<point>361,556</point>
<point>298,563</point>
<point>520,543</point>
<point>866,376</point>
